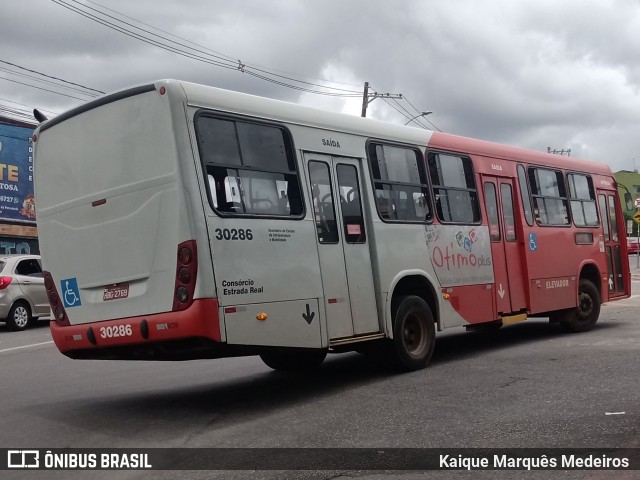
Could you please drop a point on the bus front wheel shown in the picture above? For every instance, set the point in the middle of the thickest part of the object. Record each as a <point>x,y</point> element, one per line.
<point>413,334</point>
<point>584,317</point>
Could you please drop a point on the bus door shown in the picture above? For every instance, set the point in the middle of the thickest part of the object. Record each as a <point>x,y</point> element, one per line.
<point>506,244</point>
<point>607,201</point>
<point>343,245</point>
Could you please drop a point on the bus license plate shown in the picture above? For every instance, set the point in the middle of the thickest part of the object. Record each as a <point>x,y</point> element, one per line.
<point>116,292</point>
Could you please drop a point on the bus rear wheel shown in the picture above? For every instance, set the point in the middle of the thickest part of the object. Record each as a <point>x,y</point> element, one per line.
<point>413,334</point>
<point>293,360</point>
<point>584,317</point>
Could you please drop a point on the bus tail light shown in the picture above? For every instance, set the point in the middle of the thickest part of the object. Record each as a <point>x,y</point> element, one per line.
<point>186,271</point>
<point>59,313</point>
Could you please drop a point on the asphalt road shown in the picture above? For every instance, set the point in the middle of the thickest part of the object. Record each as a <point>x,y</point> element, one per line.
<point>527,385</point>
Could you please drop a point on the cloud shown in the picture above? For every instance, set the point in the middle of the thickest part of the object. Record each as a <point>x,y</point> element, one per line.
<point>529,73</point>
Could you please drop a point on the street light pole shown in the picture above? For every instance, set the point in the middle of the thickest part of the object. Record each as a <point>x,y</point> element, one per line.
<point>422,114</point>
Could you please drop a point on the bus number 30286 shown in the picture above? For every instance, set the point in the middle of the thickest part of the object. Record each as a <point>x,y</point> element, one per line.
<point>234,234</point>
<point>116,331</point>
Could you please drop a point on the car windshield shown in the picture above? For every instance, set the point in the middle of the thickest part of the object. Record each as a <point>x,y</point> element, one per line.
<point>2,264</point>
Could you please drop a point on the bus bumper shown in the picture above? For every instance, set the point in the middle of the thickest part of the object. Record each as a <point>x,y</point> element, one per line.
<point>162,336</point>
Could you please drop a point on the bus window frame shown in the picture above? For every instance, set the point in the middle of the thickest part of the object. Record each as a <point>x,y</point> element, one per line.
<point>421,164</point>
<point>536,218</point>
<point>581,200</point>
<point>334,210</point>
<point>479,199</point>
<point>216,114</point>
<point>525,195</point>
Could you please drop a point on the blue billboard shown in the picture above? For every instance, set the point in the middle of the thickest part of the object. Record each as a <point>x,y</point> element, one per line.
<point>17,202</point>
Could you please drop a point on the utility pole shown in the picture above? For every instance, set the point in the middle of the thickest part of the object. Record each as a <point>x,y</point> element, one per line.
<point>367,97</point>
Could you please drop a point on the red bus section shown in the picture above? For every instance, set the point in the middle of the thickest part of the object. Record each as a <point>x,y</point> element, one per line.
<point>163,336</point>
<point>539,252</point>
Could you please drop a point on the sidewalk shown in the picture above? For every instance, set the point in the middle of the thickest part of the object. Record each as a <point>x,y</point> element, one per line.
<point>633,265</point>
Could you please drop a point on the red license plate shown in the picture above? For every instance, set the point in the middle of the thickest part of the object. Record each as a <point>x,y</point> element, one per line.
<point>116,292</point>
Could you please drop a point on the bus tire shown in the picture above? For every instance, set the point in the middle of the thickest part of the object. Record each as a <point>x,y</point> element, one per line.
<point>584,317</point>
<point>293,360</point>
<point>414,334</point>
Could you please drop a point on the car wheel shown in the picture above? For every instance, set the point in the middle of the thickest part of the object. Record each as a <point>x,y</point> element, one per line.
<point>19,316</point>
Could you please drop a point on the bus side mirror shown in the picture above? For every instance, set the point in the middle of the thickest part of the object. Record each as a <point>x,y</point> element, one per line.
<point>628,201</point>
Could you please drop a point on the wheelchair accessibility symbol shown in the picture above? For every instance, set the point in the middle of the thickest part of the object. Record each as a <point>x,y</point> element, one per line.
<point>533,242</point>
<point>70,292</point>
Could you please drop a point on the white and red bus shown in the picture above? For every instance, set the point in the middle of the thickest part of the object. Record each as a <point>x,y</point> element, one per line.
<point>179,221</point>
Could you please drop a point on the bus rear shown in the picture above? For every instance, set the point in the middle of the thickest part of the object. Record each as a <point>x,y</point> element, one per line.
<point>117,228</point>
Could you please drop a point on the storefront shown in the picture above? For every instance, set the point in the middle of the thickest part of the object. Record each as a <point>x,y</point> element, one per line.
<point>18,232</point>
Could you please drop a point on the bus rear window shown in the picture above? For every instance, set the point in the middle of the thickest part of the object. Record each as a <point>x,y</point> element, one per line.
<point>250,167</point>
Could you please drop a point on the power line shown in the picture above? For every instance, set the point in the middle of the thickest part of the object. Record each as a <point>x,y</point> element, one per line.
<point>29,107</point>
<point>418,111</point>
<point>425,119</point>
<point>186,51</point>
<point>47,82</point>
<point>202,54</point>
<point>211,50</point>
<point>14,112</point>
<point>50,76</point>
<point>44,89</point>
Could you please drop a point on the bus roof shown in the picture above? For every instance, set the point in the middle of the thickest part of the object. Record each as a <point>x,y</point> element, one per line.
<point>472,146</point>
<point>267,108</point>
<point>245,104</point>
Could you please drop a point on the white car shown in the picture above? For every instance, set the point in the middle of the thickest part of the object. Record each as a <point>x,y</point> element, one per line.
<point>23,297</point>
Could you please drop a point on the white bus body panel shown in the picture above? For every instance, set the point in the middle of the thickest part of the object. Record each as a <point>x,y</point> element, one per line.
<point>123,153</point>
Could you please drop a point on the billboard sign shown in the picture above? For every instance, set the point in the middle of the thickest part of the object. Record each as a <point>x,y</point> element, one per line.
<point>16,174</point>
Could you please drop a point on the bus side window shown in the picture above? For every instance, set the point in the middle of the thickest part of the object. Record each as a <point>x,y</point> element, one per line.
<point>549,196</point>
<point>322,200</point>
<point>582,200</point>
<point>251,167</point>
<point>454,188</point>
<point>524,195</point>
<point>353,222</point>
<point>491,204</point>
<point>400,183</point>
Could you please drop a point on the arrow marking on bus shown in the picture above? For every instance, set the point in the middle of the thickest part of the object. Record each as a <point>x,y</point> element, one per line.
<point>308,316</point>
<point>501,291</point>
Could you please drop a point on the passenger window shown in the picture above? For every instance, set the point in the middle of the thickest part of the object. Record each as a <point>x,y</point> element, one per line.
<point>549,196</point>
<point>250,167</point>
<point>583,200</point>
<point>491,204</point>
<point>506,195</point>
<point>322,200</point>
<point>454,188</point>
<point>352,219</point>
<point>524,195</point>
<point>602,202</point>
<point>612,216</point>
<point>400,183</point>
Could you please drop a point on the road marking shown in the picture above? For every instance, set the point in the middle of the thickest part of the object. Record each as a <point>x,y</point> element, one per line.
<point>26,346</point>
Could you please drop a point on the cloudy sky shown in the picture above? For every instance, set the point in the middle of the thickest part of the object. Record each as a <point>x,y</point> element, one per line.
<point>533,73</point>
